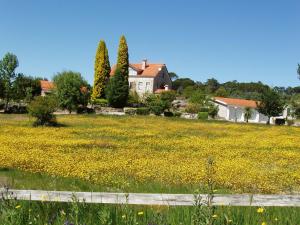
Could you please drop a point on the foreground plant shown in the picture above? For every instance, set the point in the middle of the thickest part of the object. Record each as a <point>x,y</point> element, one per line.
<point>204,213</point>
<point>42,108</point>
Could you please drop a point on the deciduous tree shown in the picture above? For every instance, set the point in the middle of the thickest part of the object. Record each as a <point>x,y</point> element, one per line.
<point>173,76</point>
<point>70,90</point>
<point>270,104</point>
<point>25,88</point>
<point>8,65</point>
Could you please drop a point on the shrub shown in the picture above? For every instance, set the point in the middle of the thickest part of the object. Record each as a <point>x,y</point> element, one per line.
<point>193,108</point>
<point>156,104</point>
<point>203,115</point>
<point>130,111</point>
<point>42,108</point>
<point>197,97</point>
<point>157,109</point>
<point>102,102</point>
<point>177,114</point>
<point>203,109</point>
<point>167,98</point>
<point>85,110</point>
<point>133,99</point>
<point>213,111</point>
<point>2,105</point>
<point>168,114</point>
<point>16,109</point>
<point>142,111</point>
<point>290,122</point>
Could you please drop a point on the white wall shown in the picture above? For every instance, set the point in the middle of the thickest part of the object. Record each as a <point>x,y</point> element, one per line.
<point>236,113</point>
<point>254,116</point>
<point>132,72</point>
<point>142,84</point>
<point>263,118</point>
<point>223,111</point>
<point>154,83</point>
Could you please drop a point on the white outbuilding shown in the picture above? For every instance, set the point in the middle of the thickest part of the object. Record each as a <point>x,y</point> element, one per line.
<point>233,109</point>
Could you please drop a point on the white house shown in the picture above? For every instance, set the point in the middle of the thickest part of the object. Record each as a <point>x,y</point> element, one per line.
<point>147,78</point>
<point>233,109</point>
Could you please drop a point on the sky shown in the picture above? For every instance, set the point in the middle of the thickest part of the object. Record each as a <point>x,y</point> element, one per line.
<point>257,40</point>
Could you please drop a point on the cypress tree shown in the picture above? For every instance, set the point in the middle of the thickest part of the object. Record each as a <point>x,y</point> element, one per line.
<point>117,90</point>
<point>123,57</point>
<point>102,70</point>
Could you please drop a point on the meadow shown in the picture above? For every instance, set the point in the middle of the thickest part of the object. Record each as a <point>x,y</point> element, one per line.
<point>152,154</point>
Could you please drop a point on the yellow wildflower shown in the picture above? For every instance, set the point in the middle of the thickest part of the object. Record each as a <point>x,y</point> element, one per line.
<point>18,206</point>
<point>260,210</point>
<point>102,161</point>
<point>214,216</point>
<point>140,213</point>
<point>263,223</point>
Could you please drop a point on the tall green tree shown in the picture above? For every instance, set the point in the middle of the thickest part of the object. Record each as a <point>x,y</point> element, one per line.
<point>212,85</point>
<point>221,92</point>
<point>182,83</point>
<point>25,88</point>
<point>173,76</point>
<point>70,89</point>
<point>117,90</point>
<point>8,66</point>
<point>102,71</point>
<point>123,57</point>
<point>270,104</point>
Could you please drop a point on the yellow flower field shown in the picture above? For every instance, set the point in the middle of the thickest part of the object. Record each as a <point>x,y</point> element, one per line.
<point>118,150</point>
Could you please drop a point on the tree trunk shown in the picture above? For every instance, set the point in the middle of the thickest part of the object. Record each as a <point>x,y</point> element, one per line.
<point>6,103</point>
<point>268,122</point>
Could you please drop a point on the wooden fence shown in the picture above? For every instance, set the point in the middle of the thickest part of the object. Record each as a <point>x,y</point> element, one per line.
<point>151,199</point>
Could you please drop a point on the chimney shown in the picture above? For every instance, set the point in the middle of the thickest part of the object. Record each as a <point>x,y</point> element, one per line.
<point>144,64</point>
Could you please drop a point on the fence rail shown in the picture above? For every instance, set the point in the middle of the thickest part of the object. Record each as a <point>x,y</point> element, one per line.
<point>151,199</point>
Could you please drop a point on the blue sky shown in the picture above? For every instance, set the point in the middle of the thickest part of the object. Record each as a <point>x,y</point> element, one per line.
<point>256,40</point>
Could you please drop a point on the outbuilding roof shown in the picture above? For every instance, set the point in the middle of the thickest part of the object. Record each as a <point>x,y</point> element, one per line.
<point>236,102</point>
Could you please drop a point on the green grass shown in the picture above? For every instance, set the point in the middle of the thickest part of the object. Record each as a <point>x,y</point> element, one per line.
<point>37,213</point>
<point>16,179</point>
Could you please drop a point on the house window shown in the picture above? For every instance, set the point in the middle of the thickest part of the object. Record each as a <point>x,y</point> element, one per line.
<point>140,86</point>
<point>147,86</point>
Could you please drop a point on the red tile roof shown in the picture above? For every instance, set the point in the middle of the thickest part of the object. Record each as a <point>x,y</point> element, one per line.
<point>151,70</point>
<point>237,102</point>
<point>46,85</point>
